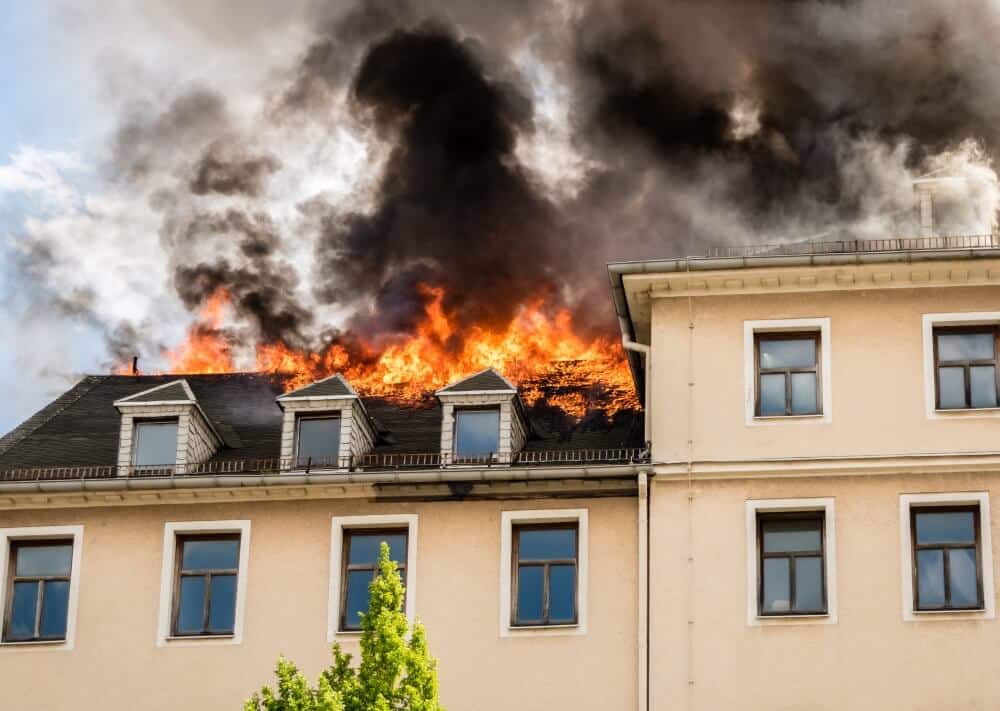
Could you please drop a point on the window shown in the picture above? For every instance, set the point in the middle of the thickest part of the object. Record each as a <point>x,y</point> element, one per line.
<point>354,546</point>
<point>787,374</point>
<point>155,444</point>
<point>205,592</point>
<point>361,551</point>
<point>38,590</point>
<point>477,433</point>
<point>317,441</point>
<point>203,583</point>
<point>791,578</point>
<point>543,575</point>
<point>41,579</point>
<point>965,367</point>
<point>946,564</point>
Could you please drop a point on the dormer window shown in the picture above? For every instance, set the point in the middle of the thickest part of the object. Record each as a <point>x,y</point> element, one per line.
<point>317,441</point>
<point>477,433</point>
<point>155,444</point>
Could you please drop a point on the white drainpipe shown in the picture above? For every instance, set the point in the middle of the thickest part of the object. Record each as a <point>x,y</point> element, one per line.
<point>643,631</point>
<point>644,350</point>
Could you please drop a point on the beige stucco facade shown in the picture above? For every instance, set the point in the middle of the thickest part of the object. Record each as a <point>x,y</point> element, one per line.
<point>116,663</point>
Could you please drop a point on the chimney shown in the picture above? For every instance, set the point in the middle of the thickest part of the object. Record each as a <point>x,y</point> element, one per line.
<point>926,188</point>
<point>135,365</point>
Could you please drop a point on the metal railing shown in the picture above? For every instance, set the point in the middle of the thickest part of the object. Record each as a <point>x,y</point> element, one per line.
<point>374,462</point>
<point>857,246</point>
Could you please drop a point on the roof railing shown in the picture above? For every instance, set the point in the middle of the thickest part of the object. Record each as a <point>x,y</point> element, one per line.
<point>375,462</point>
<point>856,246</point>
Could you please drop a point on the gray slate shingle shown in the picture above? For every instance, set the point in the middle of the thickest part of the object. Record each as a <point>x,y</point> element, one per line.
<point>486,380</point>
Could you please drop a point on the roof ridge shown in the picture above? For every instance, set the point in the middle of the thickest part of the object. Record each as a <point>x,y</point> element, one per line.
<point>33,423</point>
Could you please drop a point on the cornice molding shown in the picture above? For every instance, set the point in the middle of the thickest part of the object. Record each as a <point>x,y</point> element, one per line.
<point>811,278</point>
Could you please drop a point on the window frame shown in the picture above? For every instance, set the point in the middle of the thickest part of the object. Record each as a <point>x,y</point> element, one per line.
<point>916,547</point>
<point>40,535</point>
<point>169,580</point>
<point>546,564</point>
<point>508,520</point>
<point>456,415</point>
<point>323,415</point>
<point>817,370</point>
<point>180,540</point>
<point>339,526</point>
<point>347,566</point>
<point>137,425</point>
<point>908,502</point>
<point>824,380</point>
<point>818,515</point>
<point>966,365</point>
<point>935,321</point>
<point>754,543</point>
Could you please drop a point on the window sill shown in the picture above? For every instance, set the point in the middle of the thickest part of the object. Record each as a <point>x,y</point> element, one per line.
<point>819,418</point>
<point>817,618</point>
<point>967,412</point>
<point>199,640</point>
<point>543,630</point>
<point>37,644</point>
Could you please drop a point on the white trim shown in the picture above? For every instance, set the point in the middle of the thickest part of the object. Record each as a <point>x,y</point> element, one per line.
<point>338,524</point>
<point>822,325</point>
<point>971,318</point>
<point>828,507</point>
<point>445,390</point>
<point>507,521</point>
<point>128,401</point>
<point>974,498</point>
<point>170,532</point>
<point>75,533</point>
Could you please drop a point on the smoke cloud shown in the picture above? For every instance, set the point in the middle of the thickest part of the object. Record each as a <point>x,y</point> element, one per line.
<point>503,151</point>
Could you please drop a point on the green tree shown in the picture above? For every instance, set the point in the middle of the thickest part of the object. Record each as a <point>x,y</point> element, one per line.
<point>396,672</point>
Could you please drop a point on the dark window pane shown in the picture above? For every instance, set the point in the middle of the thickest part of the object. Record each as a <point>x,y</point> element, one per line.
<point>930,578</point>
<point>191,606</point>
<point>477,433</point>
<point>562,593</point>
<point>783,536</point>
<point>210,554</point>
<point>808,584</point>
<point>155,444</point>
<point>546,544</point>
<point>962,577</point>
<point>946,527</point>
<point>965,346</point>
<point>529,593</point>
<point>357,597</point>
<point>983,383</point>
<point>222,605</point>
<point>804,393</point>
<point>55,559</point>
<point>364,547</point>
<point>772,394</point>
<point>951,388</point>
<point>790,353</point>
<point>55,606</point>
<point>319,440</point>
<point>777,591</point>
<point>22,611</point>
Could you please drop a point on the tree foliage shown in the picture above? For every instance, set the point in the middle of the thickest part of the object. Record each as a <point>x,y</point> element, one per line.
<point>396,672</point>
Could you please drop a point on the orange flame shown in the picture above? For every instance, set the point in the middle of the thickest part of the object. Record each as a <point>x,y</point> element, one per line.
<point>539,351</point>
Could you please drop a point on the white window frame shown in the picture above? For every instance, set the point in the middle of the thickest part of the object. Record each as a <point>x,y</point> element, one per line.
<point>508,520</point>
<point>28,533</point>
<point>340,524</point>
<point>171,531</point>
<point>321,415</point>
<point>763,506</point>
<point>971,318</point>
<point>138,423</point>
<point>820,326</point>
<point>968,498</point>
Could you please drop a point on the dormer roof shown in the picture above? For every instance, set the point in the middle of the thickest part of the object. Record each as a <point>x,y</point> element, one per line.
<point>484,382</point>
<point>176,392</point>
<point>333,387</point>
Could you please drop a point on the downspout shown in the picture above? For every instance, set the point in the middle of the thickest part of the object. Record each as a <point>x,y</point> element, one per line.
<point>643,630</point>
<point>642,349</point>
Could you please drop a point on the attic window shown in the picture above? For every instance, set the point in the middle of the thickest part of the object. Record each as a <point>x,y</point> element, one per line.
<point>477,433</point>
<point>155,444</point>
<point>317,441</point>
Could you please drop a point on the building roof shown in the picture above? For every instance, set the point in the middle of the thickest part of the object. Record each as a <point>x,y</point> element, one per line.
<point>81,427</point>
<point>488,380</point>
<point>177,391</point>
<point>333,386</point>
